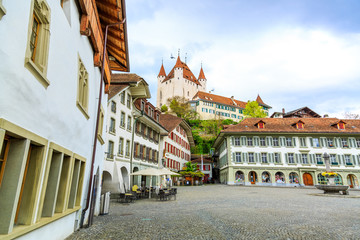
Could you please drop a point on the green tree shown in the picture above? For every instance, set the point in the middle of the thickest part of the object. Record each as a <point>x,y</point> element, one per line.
<point>164,108</point>
<point>180,106</point>
<point>253,110</point>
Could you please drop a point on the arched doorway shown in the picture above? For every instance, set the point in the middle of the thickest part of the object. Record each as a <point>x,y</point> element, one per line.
<point>106,182</point>
<point>252,177</point>
<point>308,179</point>
<point>125,178</point>
<point>239,177</point>
<point>265,177</point>
<point>279,177</point>
<point>352,181</point>
<point>294,178</point>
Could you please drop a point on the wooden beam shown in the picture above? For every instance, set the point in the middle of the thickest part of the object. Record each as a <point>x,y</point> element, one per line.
<point>115,49</point>
<point>108,6</point>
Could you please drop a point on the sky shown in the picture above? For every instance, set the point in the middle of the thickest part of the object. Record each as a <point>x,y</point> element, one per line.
<point>293,53</point>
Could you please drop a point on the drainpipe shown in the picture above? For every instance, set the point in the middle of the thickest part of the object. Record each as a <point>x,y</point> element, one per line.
<point>97,125</point>
<point>132,145</point>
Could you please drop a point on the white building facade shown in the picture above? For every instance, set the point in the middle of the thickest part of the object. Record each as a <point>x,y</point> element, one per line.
<point>289,151</point>
<point>179,82</point>
<point>48,115</point>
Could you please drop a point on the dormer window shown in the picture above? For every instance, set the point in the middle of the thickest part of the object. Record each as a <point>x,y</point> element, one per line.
<point>260,124</point>
<point>341,125</point>
<point>300,125</point>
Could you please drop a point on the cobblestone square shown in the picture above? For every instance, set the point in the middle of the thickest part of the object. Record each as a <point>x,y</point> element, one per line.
<point>232,212</point>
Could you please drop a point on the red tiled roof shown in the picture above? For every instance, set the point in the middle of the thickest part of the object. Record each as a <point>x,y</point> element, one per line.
<point>286,125</point>
<point>162,71</point>
<point>201,75</point>
<point>170,122</point>
<point>187,74</point>
<point>260,101</point>
<point>119,78</point>
<point>219,99</point>
<point>205,160</point>
<point>115,89</point>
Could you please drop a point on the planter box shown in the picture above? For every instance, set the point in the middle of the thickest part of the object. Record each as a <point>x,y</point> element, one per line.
<point>319,162</point>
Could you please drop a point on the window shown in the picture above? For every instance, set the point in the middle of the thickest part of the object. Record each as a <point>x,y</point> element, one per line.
<point>122,120</point>
<point>275,141</point>
<point>262,142</point>
<point>142,106</point>
<point>141,152</point>
<point>121,147</point>
<point>238,157</point>
<point>100,126</point>
<point>300,125</point>
<point>264,158</point>
<point>129,123</point>
<point>302,142</point>
<point>113,106</point>
<point>237,141</point>
<point>110,153</point>
<point>249,141</point>
<point>251,157</point>
<point>83,89</point>
<point>318,159</point>
<point>316,142</point>
<point>344,143</point>
<point>330,142</point>
<point>36,56</point>
<point>128,101</point>
<point>304,158</point>
<point>112,125</point>
<point>2,10</point>
<point>291,158</point>
<point>347,160</point>
<point>3,156</point>
<point>122,97</point>
<point>127,148</point>
<point>333,159</point>
<point>358,142</point>
<point>261,125</point>
<point>277,157</point>
<point>288,142</point>
<point>341,125</point>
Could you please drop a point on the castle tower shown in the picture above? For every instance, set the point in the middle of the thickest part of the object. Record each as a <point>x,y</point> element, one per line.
<point>202,79</point>
<point>161,77</point>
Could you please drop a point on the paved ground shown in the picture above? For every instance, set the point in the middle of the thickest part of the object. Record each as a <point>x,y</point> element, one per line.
<point>232,212</point>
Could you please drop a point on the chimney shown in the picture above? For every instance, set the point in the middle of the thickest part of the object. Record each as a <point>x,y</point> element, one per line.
<point>283,110</point>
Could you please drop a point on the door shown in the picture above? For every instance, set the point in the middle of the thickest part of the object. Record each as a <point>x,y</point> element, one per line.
<point>308,180</point>
<point>350,181</point>
<point>252,177</point>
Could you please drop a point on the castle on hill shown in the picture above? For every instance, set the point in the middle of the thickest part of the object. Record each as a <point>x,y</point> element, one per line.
<point>179,82</point>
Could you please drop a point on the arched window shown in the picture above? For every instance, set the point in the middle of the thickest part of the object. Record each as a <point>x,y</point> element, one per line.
<point>252,177</point>
<point>338,180</point>
<point>239,177</point>
<point>321,179</point>
<point>265,176</point>
<point>279,177</point>
<point>293,177</point>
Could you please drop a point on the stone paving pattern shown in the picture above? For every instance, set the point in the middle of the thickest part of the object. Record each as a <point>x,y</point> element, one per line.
<point>232,212</point>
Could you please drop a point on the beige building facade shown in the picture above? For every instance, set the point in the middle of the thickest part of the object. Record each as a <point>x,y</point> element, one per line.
<point>289,152</point>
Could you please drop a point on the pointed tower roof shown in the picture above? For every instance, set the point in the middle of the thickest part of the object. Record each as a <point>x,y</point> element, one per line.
<point>178,63</point>
<point>162,71</point>
<point>261,102</point>
<point>201,75</point>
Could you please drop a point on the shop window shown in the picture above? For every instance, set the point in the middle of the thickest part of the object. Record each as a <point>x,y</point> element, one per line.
<point>293,178</point>
<point>265,177</point>
<point>239,177</point>
<point>83,89</point>
<point>37,50</point>
<point>279,177</point>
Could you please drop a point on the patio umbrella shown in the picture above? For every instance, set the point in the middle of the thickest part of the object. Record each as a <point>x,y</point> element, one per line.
<point>148,172</point>
<point>166,171</point>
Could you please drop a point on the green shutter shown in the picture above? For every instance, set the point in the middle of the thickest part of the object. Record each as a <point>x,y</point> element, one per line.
<point>244,157</point>
<point>282,141</point>
<point>312,158</point>
<point>233,141</point>
<point>268,141</point>
<point>297,158</point>
<point>286,158</point>
<point>233,157</point>
<point>311,142</point>
<point>293,142</point>
<point>243,141</point>
<point>323,142</point>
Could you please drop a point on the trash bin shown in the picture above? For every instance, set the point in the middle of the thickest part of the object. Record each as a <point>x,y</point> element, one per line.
<point>105,203</point>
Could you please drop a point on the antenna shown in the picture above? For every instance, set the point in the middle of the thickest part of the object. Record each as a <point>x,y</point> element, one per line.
<point>172,57</point>
<point>185,57</point>
<point>162,61</point>
<point>179,52</point>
